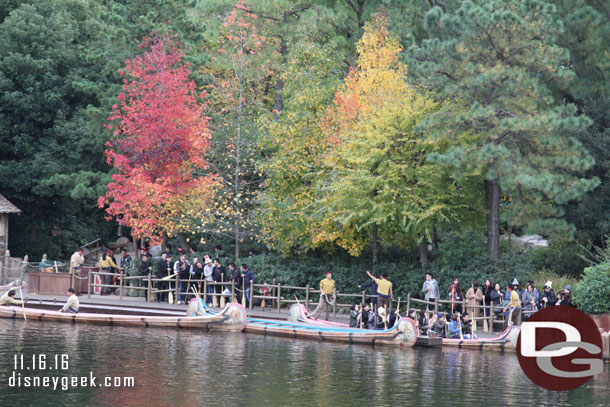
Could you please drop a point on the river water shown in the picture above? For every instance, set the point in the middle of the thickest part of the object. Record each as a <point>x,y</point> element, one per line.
<point>186,368</point>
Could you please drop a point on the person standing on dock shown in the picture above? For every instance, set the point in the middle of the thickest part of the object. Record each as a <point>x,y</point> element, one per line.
<point>236,280</point>
<point>164,268</point>
<point>247,277</point>
<point>384,289</point>
<point>430,289</point>
<point>456,296</point>
<point>218,276</point>
<point>547,297</point>
<point>474,296</point>
<point>106,265</point>
<point>328,294</point>
<point>72,304</point>
<point>145,268</point>
<point>126,261</point>
<point>208,271</point>
<point>183,274</point>
<point>76,261</point>
<point>514,303</point>
<point>373,285</point>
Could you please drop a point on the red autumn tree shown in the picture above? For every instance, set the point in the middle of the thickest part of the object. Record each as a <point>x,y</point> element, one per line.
<point>159,144</point>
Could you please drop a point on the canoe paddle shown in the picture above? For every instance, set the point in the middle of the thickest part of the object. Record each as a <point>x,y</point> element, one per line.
<point>222,296</point>
<point>243,292</point>
<point>170,294</point>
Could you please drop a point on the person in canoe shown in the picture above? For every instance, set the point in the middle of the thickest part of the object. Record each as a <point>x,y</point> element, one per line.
<point>8,298</point>
<point>328,294</point>
<point>384,289</point>
<point>72,304</point>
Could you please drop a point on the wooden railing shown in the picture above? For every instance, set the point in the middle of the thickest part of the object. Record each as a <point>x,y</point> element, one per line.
<point>285,295</point>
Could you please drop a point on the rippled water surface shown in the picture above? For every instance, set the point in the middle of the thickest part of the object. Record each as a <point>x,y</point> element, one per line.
<point>180,368</point>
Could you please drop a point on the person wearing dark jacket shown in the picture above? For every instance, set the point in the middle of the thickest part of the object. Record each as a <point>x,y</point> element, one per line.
<point>183,274</point>
<point>373,286</point>
<point>145,268</point>
<point>236,280</point>
<point>439,325</point>
<point>247,277</point>
<point>496,298</point>
<point>354,316</point>
<point>547,296</point>
<point>488,287</point>
<point>218,276</point>
<point>164,269</point>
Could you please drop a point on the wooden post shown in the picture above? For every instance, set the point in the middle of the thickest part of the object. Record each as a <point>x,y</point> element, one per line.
<point>491,317</point>
<point>205,291</point>
<point>149,287</point>
<point>335,308</point>
<point>363,298</point>
<point>121,286</point>
<point>307,297</point>
<point>232,291</point>
<point>408,303</point>
<point>89,285</point>
<point>436,305</point>
<point>273,293</point>
<point>251,294</point>
<point>72,279</point>
<point>279,299</point>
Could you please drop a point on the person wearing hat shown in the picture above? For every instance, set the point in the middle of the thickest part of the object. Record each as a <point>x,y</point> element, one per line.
<point>106,265</point>
<point>76,261</point>
<point>547,296</point>
<point>515,284</point>
<point>328,294</point>
<point>208,271</point>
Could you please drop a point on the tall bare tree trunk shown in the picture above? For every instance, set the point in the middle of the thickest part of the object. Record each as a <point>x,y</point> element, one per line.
<point>434,238</point>
<point>492,203</point>
<point>423,252</point>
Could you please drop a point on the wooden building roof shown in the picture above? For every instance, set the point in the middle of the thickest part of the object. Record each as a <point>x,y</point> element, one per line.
<point>7,207</point>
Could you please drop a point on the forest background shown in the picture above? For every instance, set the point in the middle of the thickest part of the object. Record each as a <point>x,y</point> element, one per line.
<point>396,135</point>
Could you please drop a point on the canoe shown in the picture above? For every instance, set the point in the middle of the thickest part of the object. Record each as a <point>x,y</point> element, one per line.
<point>231,318</point>
<point>403,334</point>
<point>507,340</point>
<point>298,313</point>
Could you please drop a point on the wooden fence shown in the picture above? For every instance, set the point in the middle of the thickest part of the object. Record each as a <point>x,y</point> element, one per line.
<point>284,295</point>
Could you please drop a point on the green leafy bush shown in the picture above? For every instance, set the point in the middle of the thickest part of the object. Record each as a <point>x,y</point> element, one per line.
<point>564,260</point>
<point>592,294</point>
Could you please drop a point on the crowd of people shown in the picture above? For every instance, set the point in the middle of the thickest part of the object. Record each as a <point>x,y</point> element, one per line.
<point>378,314</point>
<point>191,271</point>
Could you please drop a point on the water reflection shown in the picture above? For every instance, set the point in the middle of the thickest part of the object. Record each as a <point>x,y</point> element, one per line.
<point>184,368</point>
